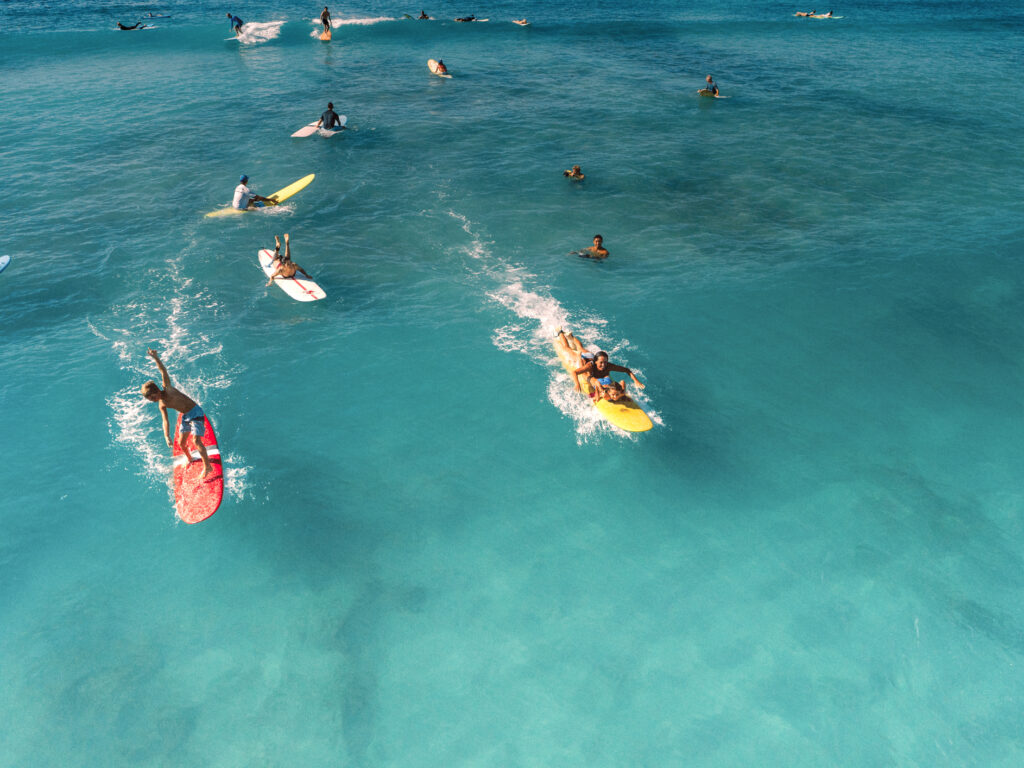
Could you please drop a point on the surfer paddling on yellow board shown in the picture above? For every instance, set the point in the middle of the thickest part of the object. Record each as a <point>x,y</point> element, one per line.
<point>597,368</point>
<point>285,266</point>
<point>329,119</point>
<point>192,416</point>
<point>245,197</point>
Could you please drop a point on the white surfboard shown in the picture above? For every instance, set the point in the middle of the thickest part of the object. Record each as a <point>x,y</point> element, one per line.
<point>432,66</point>
<point>309,130</point>
<point>4,261</point>
<point>299,288</point>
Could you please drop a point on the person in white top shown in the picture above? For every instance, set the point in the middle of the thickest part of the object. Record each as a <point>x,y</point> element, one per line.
<point>245,197</point>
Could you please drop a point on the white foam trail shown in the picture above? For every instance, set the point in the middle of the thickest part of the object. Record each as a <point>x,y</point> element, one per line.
<point>260,31</point>
<point>359,21</point>
<point>533,338</point>
<point>135,422</point>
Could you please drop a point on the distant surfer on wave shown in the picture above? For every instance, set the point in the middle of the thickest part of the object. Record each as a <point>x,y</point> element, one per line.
<point>596,251</point>
<point>597,368</point>
<point>245,197</point>
<point>192,419</point>
<point>236,24</point>
<point>325,19</point>
<point>574,173</point>
<point>285,266</point>
<point>329,119</point>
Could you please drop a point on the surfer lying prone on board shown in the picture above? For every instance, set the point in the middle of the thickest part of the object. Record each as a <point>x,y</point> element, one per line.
<point>192,416</point>
<point>597,368</point>
<point>136,25</point>
<point>285,266</point>
<point>808,13</point>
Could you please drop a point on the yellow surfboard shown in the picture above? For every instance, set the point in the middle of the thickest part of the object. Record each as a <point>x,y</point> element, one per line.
<point>278,197</point>
<point>624,414</point>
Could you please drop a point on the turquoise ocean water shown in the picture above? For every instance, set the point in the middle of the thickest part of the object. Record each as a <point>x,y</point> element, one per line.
<point>430,551</point>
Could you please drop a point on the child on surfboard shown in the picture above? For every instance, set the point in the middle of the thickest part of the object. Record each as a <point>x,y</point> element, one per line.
<point>192,416</point>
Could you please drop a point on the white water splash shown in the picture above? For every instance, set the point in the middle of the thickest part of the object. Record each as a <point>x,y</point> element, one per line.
<point>259,31</point>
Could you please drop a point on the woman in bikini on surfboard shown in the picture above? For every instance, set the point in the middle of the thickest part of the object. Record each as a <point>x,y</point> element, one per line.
<point>597,368</point>
<point>285,266</point>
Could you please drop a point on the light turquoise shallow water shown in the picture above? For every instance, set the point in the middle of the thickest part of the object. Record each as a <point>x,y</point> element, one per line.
<point>431,553</point>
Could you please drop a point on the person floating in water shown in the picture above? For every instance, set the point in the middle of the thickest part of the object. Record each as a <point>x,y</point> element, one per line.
<point>596,251</point>
<point>441,68</point>
<point>423,15</point>
<point>574,173</point>
<point>325,19</point>
<point>521,22</point>
<point>236,24</point>
<point>245,197</point>
<point>192,419</point>
<point>136,25</point>
<point>329,119</point>
<point>285,266</point>
<point>711,86</point>
<point>597,369</point>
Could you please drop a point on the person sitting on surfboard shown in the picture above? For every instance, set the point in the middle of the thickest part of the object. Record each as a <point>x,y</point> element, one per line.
<point>236,24</point>
<point>245,197</point>
<point>133,26</point>
<point>574,173</point>
<point>192,419</point>
<point>325,19</point>
<point>423,15</point>
<point>329,119</point>
<point>597,368</point>
<point>596,251</point>
<point>285,266</point>
<point>441,68</point>
<point>711,86</point>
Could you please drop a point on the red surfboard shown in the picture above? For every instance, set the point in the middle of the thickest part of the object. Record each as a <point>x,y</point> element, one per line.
<point>195,499</point>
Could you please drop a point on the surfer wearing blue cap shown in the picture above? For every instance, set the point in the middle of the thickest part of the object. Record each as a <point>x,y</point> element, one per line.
<point>245,197</point>
<point>236,24</point>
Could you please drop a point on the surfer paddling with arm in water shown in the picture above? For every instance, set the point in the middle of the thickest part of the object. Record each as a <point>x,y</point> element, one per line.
<point>123,28</point>
<point>236,24</point>
<point>329,119</point>
<point>245,197</point>
<point>192,418</point>
<point>285,266</point>
<point>597,368</point>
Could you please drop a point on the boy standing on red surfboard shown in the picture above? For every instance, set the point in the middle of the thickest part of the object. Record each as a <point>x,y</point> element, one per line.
<point>192,419</point>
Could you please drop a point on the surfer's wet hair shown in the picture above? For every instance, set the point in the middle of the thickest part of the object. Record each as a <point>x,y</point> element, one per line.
<point>150,388</point>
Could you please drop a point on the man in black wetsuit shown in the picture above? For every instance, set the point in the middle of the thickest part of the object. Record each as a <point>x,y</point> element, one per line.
<point>133,26</point>
<point>329,119</point>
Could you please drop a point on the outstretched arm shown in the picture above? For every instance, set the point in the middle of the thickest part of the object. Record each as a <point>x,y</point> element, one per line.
<point>163,371</point>
<point>624,369</point>
<point>167,424</point>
